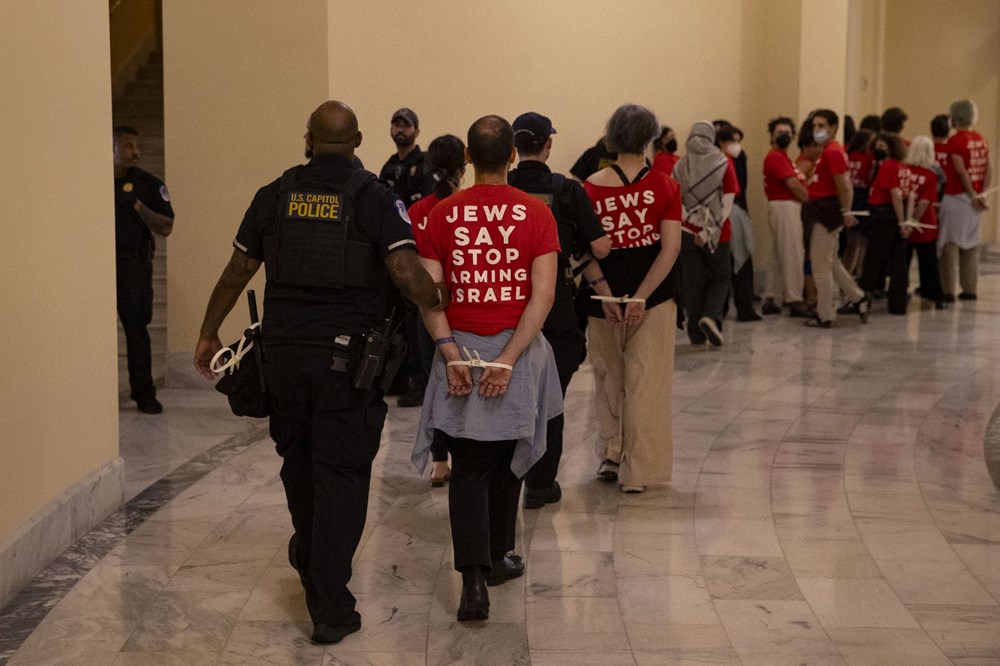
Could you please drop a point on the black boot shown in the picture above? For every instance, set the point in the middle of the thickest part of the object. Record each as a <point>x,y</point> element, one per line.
<point>475,604</point>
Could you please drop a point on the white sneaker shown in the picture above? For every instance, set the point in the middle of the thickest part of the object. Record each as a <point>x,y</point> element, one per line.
<point>711,331</point>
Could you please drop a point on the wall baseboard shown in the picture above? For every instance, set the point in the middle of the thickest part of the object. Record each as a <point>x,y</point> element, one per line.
<point>57,525</point>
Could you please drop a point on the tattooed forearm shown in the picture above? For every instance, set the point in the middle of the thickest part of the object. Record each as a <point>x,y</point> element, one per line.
<point>411,278</point>
<point>227,291</point>
<point>157,223</point>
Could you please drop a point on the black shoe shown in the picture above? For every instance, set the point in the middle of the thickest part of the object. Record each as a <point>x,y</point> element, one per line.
<point>510,567</point>
<point>327,632</point>
<point>799,309</point>
<point>537,498</point>
<point>475,603</point>
<point>770,307</point>
<point>816,322</point>
<point>753,316</point>
<point>149,406</point>
<point>941,305</point>
<point>966,297</point>
<point>413,397</point>
<point>948,298</point>
<point>710,329</point>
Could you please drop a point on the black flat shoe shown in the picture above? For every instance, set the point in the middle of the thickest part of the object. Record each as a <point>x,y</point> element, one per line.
<point>800,310</point>
<point>966,296</point>
<point>149,406</point>
<point>753,316</point>
<point>511,566</point>
<point>537,498</point>
<point>326,633</point>
<point>475,603</point>
<point>816,322</point>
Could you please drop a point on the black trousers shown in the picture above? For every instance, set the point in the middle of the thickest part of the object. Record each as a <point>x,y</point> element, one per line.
<point>886,255</point>
<point>135,310</point>
<point>743,291</point>
<point>567,348</point>
<point>482,501</point>
<point>706,284</point>
<point>927,264</point>
<point>327,434</point>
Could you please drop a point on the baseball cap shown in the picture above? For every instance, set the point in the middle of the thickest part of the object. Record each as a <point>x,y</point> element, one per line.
<point>534,124</point>
<point>408,115</point>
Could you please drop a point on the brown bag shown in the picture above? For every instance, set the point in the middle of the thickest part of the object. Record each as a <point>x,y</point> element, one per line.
<point>826,211</point>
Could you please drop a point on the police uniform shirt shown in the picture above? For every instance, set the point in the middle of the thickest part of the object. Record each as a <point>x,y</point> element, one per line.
<point>132,236</point>
<point>313,314</point>
<point>406,176</point>
<point>592,160</point>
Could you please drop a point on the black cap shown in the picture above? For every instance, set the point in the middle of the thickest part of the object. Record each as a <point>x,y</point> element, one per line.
<point>537,126</point>
<point>407,115</point>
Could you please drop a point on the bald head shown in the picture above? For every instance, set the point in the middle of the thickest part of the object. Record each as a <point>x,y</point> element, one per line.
<point>332,128</point>
<point>491,144</point>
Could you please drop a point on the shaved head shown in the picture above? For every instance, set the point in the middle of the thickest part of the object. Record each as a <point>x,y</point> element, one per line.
<point>333,128</point>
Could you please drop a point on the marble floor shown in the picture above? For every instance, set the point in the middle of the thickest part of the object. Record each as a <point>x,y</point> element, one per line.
<point>830,505</point>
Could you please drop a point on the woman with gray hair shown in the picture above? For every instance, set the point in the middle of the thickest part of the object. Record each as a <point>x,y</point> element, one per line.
<point>708,188</point>
<point>633,315</point>
<point>968,175</point>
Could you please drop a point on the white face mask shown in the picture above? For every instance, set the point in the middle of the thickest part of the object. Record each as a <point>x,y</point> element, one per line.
<point>734,150</point>
<point>821,136</point>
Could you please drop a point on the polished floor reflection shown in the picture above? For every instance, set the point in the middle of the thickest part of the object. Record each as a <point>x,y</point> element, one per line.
<point>830,505</point>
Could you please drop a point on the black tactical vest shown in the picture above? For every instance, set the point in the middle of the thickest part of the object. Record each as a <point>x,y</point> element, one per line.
<point>317,243</point>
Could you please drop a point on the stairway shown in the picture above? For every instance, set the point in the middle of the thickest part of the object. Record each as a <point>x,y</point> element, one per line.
<point>142,107</point>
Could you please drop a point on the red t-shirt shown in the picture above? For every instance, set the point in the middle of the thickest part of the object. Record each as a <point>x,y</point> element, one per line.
<point>419,213</point>
<point>975,154</point>
<point>486,238</point>
<point>887,179</point>
<point>941,154</point>
<point>859,166</point>
<point>665,162</point>
<point>778,167</point>
<point>631,214</point>
<point>832,162</point>
<point>923,184</point>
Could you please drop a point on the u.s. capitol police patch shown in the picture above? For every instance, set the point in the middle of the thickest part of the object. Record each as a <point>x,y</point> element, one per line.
<point>164,193</point>
<point>402,211</point>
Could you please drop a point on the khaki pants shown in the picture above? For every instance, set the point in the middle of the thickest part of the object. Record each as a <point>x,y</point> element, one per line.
<point>634,367</point>
<point>827,270</point>
<point>786,279</point>
<point>967,264</point>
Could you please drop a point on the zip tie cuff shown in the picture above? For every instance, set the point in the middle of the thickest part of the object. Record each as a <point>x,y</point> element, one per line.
<point>477,362</point>
<point>618,299</point>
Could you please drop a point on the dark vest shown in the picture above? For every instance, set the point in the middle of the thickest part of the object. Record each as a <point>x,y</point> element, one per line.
<point>317,243</point>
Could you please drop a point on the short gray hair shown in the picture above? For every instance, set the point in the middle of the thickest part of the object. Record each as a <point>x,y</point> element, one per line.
<point>921,152</point>
<point>964,113</point>
<point>630,129</point>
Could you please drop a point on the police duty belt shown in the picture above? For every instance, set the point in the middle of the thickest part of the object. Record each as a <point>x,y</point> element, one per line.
<point>474,360</point>
<point>242,347</point>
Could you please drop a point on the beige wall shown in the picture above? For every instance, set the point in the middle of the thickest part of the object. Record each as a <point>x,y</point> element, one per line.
<point>240,80</point>
<point>938,51</point>
<point>133,23</point>
<point>58,355</point>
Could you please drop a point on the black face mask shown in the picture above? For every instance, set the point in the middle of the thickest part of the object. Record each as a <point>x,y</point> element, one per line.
<point>671,146</point>
<point>783,141</point>
<point>879,154</point>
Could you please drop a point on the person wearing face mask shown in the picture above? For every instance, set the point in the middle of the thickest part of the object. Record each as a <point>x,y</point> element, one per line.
<point>665,151</point>
<point>728,140</point>
<point>824,215</point>
<point>785,188</point>
<point>887,234</point>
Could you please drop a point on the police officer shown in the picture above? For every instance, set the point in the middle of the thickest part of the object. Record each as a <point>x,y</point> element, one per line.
<point>142,208</point>
<point>579,232</point>
<point>327,233</point>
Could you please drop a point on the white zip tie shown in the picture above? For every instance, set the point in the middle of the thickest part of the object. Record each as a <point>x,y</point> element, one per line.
<point>476,361</point>
<point>618,299</point>
<point>234,362</point>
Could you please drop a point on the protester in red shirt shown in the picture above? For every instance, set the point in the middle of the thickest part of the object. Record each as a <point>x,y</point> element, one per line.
<point>632,342</point>
<point>496,248</point>
<point>886,251</point>
<point>785,188</point>
<point>968,176</point>
<point>918,184</point>
<point>826,212</point>
<point>861,166</point>
<point>940,129</point>
<point>665,155</point>
<point>445,161</point>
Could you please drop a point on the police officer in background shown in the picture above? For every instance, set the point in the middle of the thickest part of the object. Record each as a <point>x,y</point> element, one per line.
<point>580,232</point>
<point>142,208</point>
<point>404,172</point>
<point>327,233</point>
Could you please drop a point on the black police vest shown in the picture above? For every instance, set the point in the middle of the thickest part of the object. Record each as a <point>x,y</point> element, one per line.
<point>317,243</point>
<point>560,202</point>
